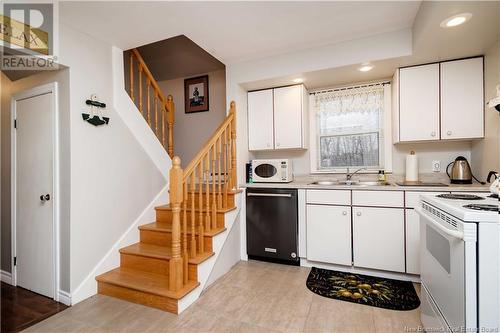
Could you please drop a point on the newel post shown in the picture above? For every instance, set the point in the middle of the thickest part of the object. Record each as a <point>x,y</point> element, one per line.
<point>176,193</point>
<point>171,118</point>
<point>234,180</point>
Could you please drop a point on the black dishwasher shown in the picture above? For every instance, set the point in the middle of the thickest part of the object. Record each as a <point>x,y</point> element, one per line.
<point>272,225</point>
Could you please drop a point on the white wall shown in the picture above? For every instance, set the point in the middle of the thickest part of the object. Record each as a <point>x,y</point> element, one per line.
<point>192,130</point>
<point>8,89</point>
<point>486,153</point>
<point>113,178</point>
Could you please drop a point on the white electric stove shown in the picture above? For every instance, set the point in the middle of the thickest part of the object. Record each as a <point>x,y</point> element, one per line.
<point>460,263</point>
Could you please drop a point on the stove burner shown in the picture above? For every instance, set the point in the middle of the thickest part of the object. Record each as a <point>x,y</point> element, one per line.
<point>489,208</point>
<point>457,196</point>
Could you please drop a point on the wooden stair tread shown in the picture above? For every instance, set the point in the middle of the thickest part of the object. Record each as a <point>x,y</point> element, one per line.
<point>162,227</point>
<point>151,283</point>
<point>160,252</point>
<point>196,209</point>
<point>203,190</point>
<point>148,250</point>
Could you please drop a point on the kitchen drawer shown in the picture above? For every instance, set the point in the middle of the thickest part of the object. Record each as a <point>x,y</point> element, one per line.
<point>412,198</point>
<point>378,198</point>
<point>329,197</point>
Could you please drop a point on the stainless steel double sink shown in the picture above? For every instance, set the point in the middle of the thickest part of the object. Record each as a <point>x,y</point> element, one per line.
<point>348,183</point>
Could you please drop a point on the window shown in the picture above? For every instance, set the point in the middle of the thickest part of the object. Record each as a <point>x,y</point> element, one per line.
<point>347,127</point>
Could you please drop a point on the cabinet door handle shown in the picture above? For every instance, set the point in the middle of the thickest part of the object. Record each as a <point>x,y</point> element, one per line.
<point>448,133</point>
<point>433,134</point>
<point>344,213</point>
<point>358,213</point>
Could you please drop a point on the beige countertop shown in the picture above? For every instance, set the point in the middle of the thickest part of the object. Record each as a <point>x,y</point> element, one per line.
<point>305,182</point>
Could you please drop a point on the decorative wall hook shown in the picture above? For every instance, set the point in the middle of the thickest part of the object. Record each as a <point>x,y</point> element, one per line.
<point>95,116</point>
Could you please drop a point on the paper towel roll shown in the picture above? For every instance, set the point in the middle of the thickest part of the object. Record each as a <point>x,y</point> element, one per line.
<point>411,167</point>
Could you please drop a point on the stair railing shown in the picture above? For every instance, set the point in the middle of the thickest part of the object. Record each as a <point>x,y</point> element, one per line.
<point>203,186</point>
<point>158,110</point>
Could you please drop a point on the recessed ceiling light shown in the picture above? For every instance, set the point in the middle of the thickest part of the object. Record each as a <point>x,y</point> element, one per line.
<point>298,80</point>
<point>455,20</point>
<point>365,68</point>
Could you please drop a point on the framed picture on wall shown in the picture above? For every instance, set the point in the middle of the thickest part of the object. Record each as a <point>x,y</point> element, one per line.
<point>196,94</point>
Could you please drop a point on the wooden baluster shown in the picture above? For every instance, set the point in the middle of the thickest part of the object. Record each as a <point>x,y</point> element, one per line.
<point>171,120</point>
<point>224,164</point>
<point>176,270</point>
<point>214,194</point>
<point>229,157</point>
<point>148,85</point>
<point>156,114</point>
<point>234,179</point>
<point>163,120</point>
<point>184,234</point>
<point>207,193</point>
<point>219,177</point>
<point>192,193</point>
<point>140,89</point>
<point>132,77</point>
<point>201,228</point>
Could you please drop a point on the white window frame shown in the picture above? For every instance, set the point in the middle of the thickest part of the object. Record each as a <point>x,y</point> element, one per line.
<point>386,130</point>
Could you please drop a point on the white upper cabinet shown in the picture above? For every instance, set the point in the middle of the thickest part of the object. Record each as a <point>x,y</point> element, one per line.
<point>277,118</point>
<point>419,103</point>
<point>288,117</point>
<point>462,98</point>
<point>441,101</point>
<point>260,120</point>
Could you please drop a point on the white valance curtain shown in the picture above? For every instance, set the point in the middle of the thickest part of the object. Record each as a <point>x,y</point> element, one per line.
<point>353,109</point>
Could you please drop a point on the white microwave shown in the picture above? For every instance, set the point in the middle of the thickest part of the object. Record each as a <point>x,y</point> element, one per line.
<point>272,171</point>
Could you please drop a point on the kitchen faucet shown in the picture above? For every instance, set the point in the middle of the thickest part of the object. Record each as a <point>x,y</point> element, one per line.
<point>348,175</point>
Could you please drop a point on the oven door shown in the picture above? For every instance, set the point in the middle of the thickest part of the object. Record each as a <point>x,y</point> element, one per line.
<point>443,266</point>
<point>265,172</point>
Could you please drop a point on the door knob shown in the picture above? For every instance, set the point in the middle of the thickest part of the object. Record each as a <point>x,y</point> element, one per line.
<point>433,134</point>
<point>358,213</point>
<point>45,197</point>
<point>449,132</point>
<point>344,213</point>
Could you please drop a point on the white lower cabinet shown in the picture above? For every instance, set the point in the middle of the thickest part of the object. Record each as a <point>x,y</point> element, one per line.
<point>412,242</point>
<point>378,238</point>
<point>329,234</point>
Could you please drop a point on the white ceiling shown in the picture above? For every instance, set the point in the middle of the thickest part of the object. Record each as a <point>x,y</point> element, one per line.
<point>431,43</point>
<point>238,31</point>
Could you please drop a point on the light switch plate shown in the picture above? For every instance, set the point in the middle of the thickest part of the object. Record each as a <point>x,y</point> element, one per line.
<point>436,166</point>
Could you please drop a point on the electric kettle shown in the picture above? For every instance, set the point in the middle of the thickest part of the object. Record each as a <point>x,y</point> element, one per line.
<point>460,171</point>
<point>495,186</point>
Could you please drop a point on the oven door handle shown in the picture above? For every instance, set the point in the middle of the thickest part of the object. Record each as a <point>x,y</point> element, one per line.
<point>453,233</point>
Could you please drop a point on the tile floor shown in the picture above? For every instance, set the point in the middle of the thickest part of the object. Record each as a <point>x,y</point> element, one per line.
<point>252,297</point>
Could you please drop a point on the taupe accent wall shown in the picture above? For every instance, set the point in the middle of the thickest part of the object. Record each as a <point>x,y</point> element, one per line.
<point>192,130</point>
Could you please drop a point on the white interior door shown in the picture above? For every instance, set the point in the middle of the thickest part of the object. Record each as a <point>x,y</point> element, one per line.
<point>34,191</point>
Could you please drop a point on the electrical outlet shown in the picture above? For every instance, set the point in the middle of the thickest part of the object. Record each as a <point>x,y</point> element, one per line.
<point>436,166</point>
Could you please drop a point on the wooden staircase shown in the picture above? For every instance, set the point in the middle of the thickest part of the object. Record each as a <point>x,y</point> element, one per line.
<point>162,267</point>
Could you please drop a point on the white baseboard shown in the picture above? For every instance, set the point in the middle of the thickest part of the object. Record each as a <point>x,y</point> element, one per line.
<point>6,277</point>
<point>64,298</point>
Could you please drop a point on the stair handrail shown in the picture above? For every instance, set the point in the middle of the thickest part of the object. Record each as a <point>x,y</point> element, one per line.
<point>216,161</point>
<point>167,106</point>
